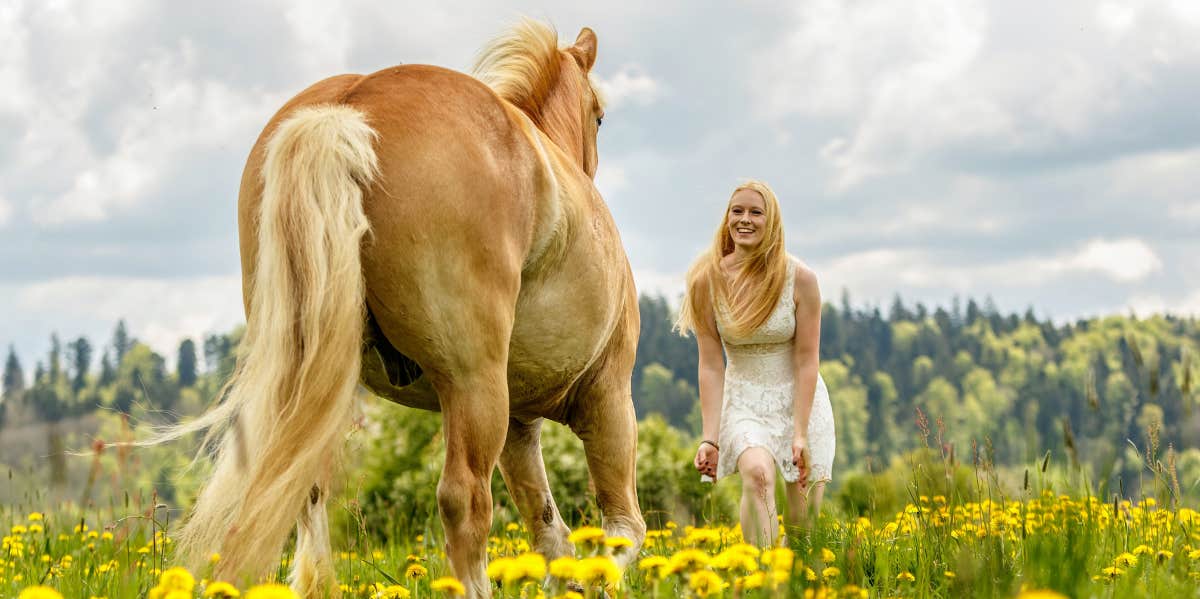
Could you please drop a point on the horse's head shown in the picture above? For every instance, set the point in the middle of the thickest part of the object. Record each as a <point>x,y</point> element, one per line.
<point>590,105</point>
<point>551,85</point>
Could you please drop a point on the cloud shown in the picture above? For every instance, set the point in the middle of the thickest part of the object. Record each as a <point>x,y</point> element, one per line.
<point>6,211</point>
<point>1121,261</point>
<point>159,312</point>
<point>630,85</point>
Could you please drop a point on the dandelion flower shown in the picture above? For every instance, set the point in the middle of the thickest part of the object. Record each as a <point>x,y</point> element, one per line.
<point>392,592</point>
<point>1041,594</point>
<point>830,572</point>
<point>827,556</point>
<point>271,591</point>
<point>587,534</point>
<point>705,583</point>
<point>177,579</point>
<point>563,568</point>
<point>39,592</point>
<point>221,590</point>
<point>618,543</point>
<point>1125,560</point>
<point>448,585</point>
<point>905,576</point>
<point>36,517</point>
<point>593,569</point>
<point>415,571</point>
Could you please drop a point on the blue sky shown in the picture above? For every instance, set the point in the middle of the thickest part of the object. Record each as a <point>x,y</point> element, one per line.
<point>1045,154</point>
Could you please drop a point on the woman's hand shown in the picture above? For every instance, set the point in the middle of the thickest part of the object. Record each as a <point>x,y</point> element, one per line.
<point>706,459</point>
<point>800,456</point>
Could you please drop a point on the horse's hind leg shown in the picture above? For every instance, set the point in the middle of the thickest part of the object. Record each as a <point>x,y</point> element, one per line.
<point>524,473</point>
<point>312,567</point>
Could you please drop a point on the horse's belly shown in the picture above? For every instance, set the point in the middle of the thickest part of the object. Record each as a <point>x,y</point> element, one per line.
<point>559,330</point>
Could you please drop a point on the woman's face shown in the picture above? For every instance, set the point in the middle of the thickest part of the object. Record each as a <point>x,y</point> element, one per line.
<point>747,218</point>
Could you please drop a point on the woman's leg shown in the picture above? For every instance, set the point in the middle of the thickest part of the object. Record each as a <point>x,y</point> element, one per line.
<point>803,499</point>
<point>759,522</point>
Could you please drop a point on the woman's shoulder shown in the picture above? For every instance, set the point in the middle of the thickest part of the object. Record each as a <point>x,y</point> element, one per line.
<point>804,281</point>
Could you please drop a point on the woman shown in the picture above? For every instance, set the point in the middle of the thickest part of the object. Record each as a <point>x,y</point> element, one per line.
<point>767,406</point>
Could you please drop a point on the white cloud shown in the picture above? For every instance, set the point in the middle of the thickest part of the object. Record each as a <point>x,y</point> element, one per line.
<point>669,285</point>
<point>6,211</point>
<point>630,85</point>
<point>1153,303</point>
<point>159,312</point>
<point>186,116</point>
<point>878,273</point>
<point>610,178</point>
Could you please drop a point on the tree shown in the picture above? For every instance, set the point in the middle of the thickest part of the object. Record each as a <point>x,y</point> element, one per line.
<point>108,373</point>
<point>121,341</point>
<point>186,364</point>
<point>80,352</point>
<point>14,376</point>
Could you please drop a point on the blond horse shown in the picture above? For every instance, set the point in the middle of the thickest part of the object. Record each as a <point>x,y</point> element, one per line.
<point>437,237</point>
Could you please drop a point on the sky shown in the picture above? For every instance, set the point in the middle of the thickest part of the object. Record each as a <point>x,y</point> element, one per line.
<point>1044,154</point>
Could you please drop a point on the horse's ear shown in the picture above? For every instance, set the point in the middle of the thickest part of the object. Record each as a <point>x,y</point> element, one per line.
<point>584,49</point>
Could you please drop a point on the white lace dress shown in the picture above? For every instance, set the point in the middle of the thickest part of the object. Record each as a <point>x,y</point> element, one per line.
<point>757,407</point>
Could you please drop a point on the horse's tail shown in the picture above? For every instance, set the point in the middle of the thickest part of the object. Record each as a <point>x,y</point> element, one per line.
<point>291,398</point>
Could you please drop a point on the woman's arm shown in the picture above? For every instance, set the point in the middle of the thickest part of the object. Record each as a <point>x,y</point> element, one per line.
<point>711,377</point>
<point>806,359</point>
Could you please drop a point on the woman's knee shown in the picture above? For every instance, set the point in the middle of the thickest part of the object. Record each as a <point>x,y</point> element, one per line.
<point>758,470</point>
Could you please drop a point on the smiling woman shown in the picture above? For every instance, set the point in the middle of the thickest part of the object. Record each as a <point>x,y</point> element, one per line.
<point>756,313</point>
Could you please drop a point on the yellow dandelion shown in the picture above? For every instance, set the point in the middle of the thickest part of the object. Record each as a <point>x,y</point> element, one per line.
<point>448,585</point>
<point>593,569</point>
<point>830,572</point>
<point>779,559</point>
<point>392,592</point>
<point>587,534</point>
<point>705,583</point>
<point>827,556</point>
<point>177,579</point>
<point>905,576</point>
<point>1142,550</point>
<point>949,574</point>
<point>39,592</point>
<point>415,571</point>
<point>498,567</point>
<point>1041,594</point>
<point>35,529</point>
<point>1163,555</point>
<point>752,581</point>
<point>221,590</point>
<point>271,591</point>
<point>809,575</point>
<point>1125,560</point>
<point>688,559</point>
<point>18,530</point>
<point>654,564</point>
<point>618,543</point>
<point>563,568</point>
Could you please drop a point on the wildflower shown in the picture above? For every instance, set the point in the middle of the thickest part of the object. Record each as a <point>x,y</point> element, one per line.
<point>779,559</point>
<point>448,585</point>
<point>39,592</point>
<point>688,559</point>
<point>592,569</point>
<point>618,543</point>
<point>18,530</point>
<point>809,575</point>
<point>1126,560</point>
<point>827,556</point>
<point>1163,555</point>
<point>905,576</point>
<point>377,555</point>
<point>830,572</point>
<point>392,592</point>
<point>271,591</point>
<point>177,579</point>
<point>415,571</point>
<point>35,528</point>
<point>512,527</point>
<point>587,534</point>
<point>656,563</point>
<point>221,590</point>
<point>705,583</point>
<point>1041,594</point>
<point>496,569</point>
<point>949,574</point>
<point>752,581</point>
<point>1142,550</point>
<point>733,559</point>
<point>563,568</point>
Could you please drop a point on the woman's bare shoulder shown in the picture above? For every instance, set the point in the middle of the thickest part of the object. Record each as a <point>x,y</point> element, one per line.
<point>805,282</point>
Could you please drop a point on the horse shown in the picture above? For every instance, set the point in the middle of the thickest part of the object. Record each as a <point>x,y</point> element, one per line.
<point>438,238</point>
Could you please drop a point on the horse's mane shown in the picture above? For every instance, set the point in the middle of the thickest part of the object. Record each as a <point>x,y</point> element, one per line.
<point>522,66</point>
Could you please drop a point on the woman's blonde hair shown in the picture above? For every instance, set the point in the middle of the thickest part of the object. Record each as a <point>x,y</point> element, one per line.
<point>756,286</point>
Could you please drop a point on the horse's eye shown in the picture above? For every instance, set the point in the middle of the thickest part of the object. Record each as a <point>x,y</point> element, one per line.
<point>599,120</point>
